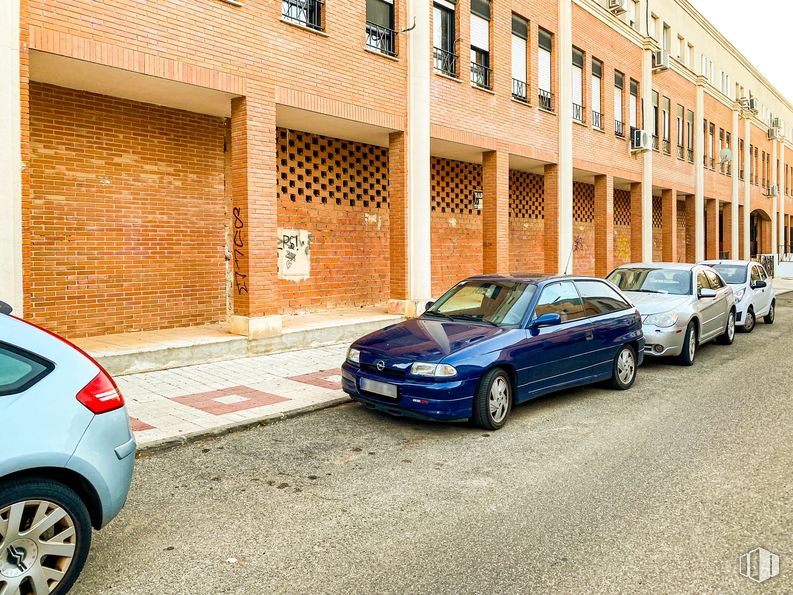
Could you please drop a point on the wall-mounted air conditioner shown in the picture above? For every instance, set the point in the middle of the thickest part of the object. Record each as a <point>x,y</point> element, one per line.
<point>618,7</point>
<point>641,141</point>
<point>660,60</point>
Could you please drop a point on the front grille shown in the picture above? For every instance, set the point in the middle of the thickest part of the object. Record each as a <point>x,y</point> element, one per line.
<point>386,372</point>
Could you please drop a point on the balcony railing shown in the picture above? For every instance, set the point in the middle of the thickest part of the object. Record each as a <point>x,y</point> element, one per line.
<point>545,99</point>
<point>520,90</point>
<point>655,142</point>
<point>578,113</point>
<point>712,163</point>
<point>681,152</point>
<point>619,128</point>
<point>445,62</point>
<point>691,155</point>
<point>597,120</point>
<point>481,75</point>
<point>303,12</point>
<point>381,39</point>
<point>667,146</point>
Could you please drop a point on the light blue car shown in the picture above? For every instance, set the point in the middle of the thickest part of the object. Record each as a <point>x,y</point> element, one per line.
<point>66,457</point>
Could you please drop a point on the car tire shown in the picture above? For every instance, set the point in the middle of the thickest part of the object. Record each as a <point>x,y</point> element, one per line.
<point>690,345</point>
<point>493,400</point>
<point>31,498</point>
<point>769,318</point>
<point>728,336</point>
<point>750,322</point>
<point>624,368</point>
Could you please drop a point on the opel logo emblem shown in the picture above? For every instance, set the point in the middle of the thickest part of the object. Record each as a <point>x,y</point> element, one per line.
<point>381,365</point>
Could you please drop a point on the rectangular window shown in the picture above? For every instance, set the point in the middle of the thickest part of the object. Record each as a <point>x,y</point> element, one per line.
<point>444,37</point>
<point>619,114</point>
<point>681,147</point>
<point>480,44</point>
<point>633,105</point>
<point>520,37</point>
<point>666,40</point>
<point>691,63</point>
<point>690,135</point>
<point>728,144</point>
<point>682,52</point>
<point>633,14</point>
<point>307,13</point>
<point>741,160</point>
<point>578,85</point>
<point>762,170</point>
<point>597,94</point>
<point>653,27</point>
<point>711,141</point>
<point>380,33</point>
<point>544,62</point>
<point>666,125</point>
<point>655,120</point>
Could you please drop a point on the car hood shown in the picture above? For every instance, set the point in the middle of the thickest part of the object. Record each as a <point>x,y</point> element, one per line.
<point>656,303</point>
<point>425,339</point>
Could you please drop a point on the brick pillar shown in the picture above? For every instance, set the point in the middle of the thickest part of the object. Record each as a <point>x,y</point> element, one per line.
<point>495,212</point>
<point>726,226</point>
<point>691,228</point>
<point>669,225</point>
<point>551,221</point>
<point>604,225</point>
<point>711,228</point>
<point>398,216</point>
<point>254,219</point>
<point>636,222</point>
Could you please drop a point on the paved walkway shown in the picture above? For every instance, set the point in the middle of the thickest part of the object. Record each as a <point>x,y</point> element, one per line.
<point>174,404</point>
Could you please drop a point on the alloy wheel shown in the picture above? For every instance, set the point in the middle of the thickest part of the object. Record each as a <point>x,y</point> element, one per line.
<point>626,366</point>
<point>499,399</point>
<point>731,327</point>
<point>692,344</point>
<point>750,320</point>
<point>38,542</point>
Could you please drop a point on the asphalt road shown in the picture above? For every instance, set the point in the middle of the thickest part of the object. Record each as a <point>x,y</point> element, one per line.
<point>657,489</point>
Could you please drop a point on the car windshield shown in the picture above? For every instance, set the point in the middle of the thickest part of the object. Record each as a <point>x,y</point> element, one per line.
<point>501,303</point>
<point>666,281</point>
<point>734,274</point>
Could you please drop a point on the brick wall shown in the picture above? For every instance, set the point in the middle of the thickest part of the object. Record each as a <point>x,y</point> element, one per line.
<point>583,229</point>
<point>338,191</point>
<point>125,221</point>
<point>456,226</point>
<point>526,224</point>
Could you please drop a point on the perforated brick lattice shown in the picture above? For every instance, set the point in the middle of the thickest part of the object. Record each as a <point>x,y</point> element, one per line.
<point>583,202</point>
<point>681,213</point>
<point>316,168</point>
<point>526,195</point>
<point>453,184</point>
<point>622,207</point>
<point>657,212</point>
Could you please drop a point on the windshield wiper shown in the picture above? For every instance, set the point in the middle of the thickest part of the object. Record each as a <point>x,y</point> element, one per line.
<point>438,314</point>
<point>473,318</point>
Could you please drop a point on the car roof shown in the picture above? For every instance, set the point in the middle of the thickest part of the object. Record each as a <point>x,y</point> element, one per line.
<point>727,262</point>
<point>539,278</point>
<point>680,266</point>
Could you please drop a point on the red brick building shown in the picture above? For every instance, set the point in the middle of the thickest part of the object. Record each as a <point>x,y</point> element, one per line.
<point>190,162</point>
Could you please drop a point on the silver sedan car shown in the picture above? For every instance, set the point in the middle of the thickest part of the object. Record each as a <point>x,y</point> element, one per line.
<point>682,306</point>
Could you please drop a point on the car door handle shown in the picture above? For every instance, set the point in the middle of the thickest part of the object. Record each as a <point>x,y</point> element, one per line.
<point>590,335</point>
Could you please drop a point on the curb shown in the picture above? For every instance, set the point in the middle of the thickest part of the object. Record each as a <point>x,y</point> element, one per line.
<point>164,444</point>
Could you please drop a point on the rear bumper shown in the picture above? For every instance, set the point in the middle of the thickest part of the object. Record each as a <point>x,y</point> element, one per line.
<point>106,457</point>
<point>444,401</point>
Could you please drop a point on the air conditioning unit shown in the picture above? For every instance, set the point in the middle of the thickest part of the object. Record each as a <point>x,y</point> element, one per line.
<point>778,123</point>
<point>754,105</point>
<point>641,141</point>
<point>773,190</point>
<point>660,60</point>
<point>618,7</point>
<point>774,133</point>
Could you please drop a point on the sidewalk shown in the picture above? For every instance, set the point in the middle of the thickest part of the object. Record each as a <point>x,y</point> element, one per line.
<point>171,405</point>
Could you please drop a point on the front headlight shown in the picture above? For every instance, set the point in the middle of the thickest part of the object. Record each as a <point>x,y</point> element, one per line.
<point>432,370</point>
<point>354,355</point>
<point>739,295</point>
<point>663,320</point>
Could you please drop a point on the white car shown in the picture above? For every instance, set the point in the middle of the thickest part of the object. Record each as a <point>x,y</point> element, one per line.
<point>754,293</point>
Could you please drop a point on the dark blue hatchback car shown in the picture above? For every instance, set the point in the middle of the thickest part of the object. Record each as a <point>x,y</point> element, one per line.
<point>493,341</point>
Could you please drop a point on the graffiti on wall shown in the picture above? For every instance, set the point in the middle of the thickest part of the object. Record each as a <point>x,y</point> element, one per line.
<point>240,278</point>
<point>294,254</point>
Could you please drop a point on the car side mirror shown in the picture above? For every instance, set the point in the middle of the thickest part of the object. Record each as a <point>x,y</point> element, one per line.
<point>759,284</point>
<point>707,293</point>
<point>5,308</point>
<point>428,305</point>
<point>546,320</point>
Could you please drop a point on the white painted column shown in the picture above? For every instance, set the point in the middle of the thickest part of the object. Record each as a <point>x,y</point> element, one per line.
<point>565,53</point>
<point>10,158</point>
<point>735,186</point>
<point>747,185</point>
<point>418,155</point>
<point>647,156</point>
<point>781,184</point>
<point>699,166</point>
<point>774,199</point>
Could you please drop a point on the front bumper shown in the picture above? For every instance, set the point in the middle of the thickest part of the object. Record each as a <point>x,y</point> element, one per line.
<point>447,400</point>
<point>663,342</point>
<point>741,308</point>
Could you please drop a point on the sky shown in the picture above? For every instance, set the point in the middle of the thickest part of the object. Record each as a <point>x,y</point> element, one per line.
<point>759,29</point>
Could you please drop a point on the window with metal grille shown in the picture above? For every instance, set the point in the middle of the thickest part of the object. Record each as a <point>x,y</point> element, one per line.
<point>520,36</point>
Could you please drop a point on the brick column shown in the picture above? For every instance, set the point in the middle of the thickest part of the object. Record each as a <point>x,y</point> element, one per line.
<point>691,228</point>
<point>398,219</point>
<point>495,212</point>
<point>637,211</point>
<point>712,228</point>
<point>726,225</point>
<point>254,219</point>
<point>669,224</point>
<point>604,225</point>
<point>551,214</point>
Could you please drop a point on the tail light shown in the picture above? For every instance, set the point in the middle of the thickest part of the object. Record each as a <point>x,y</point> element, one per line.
<point>101,394</point>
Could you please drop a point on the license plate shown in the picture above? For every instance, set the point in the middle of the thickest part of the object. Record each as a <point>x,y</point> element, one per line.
<point>379,388</point>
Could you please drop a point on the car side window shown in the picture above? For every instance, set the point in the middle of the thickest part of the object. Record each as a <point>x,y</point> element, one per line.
<point>713,278</point>
<point>755,273</point>
<point>763,274</point>
<point>702,281</point>
<point>599,298</point>
<point>19,369</point>
<point>562,299</point>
